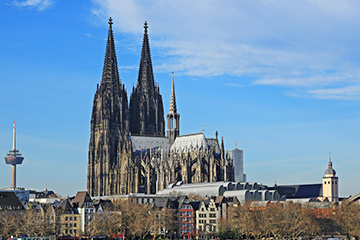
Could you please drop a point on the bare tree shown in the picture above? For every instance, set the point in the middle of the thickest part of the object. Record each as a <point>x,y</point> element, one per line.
<point>348,218</point>
<point>242,219</point>
<point>106,224</point>
<point>7,224</point>
<point>31,224</point>
<point>165,221</point>
<point>273,220</point>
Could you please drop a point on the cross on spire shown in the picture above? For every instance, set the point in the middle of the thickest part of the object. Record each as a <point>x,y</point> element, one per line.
<point>145,26</point>
<point>110,21</point>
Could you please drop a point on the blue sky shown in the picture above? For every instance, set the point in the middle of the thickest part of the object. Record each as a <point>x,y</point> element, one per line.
<point>279,77</point>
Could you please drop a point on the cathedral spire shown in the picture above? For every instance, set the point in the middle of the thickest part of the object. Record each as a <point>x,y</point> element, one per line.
<point>110,71</point>
<point>172,108</point>
<point>173,118</point>
<point>146,106</point>
<point>146,77</point>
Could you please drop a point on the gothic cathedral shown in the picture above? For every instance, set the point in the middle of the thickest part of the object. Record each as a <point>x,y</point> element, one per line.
<point>128,150</point>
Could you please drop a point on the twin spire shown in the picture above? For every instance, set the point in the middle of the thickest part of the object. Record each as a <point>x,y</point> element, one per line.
<point>145,77</point>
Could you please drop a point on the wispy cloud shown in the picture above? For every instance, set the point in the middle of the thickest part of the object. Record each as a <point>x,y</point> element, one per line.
<point>343,93</point>
<point>301,80</point>
<point>308,44</point>
<point>236,85</point>
<point>40,5</point>
<point>89,35</point>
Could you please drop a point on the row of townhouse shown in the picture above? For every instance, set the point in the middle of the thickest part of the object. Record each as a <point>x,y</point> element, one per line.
<point>194,218</point>
<point>66,217</point>
<point>197,218</point>
<point>79,211</point>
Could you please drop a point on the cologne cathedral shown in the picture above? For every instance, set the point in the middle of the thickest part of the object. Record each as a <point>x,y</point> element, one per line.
<point>128,150</point>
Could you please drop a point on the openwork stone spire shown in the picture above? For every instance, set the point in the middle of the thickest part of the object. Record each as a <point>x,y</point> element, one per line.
<point>172,108</point>
<point>146,106</point>
<point>173,118</point>
<point>146,76</point>
<point>110,70</point>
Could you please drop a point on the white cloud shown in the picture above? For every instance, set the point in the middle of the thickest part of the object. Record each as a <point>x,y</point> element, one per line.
<point>40,5</point>
<point>299,80</point>
<point>343,93</point>
<point>303,44</point>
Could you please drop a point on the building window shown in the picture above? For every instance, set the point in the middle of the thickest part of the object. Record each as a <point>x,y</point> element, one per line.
<point>70,218</point>
<point>74,224</point>
<point>75,218</point>
<point>66,218</point>
<point>212,209</point>
<point>212,215</point>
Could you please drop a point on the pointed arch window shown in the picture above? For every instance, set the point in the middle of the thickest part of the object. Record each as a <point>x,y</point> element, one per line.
<point>171,122</point>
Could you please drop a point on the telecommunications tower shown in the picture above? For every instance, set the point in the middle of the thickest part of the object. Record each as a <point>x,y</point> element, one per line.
<point>14,157</point>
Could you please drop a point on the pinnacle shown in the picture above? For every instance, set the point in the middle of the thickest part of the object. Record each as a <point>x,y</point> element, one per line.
<point>172,108</point>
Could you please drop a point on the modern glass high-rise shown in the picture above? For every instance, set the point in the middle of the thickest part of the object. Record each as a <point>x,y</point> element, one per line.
<point>237,156</point>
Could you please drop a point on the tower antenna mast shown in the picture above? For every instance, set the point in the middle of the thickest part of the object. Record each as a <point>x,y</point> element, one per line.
<point>14,157</point>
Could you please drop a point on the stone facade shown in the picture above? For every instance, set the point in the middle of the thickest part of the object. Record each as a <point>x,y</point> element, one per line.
<point>128,151</point>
